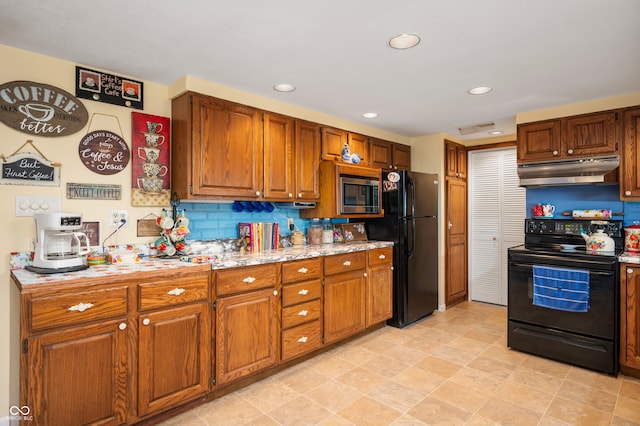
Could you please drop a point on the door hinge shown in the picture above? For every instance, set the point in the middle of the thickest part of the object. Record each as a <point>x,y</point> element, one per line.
<point>191,99</point>
<point>263,116</point>
<point>616,116</point>
<point>213,306</point>
<point>322,340</point>
<point>323,282</point>
<point>25,346</point>
<point>213,381</point>
<point>191,189</point>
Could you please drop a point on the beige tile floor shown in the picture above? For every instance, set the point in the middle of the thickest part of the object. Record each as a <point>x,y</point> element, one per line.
<point>452,368</point>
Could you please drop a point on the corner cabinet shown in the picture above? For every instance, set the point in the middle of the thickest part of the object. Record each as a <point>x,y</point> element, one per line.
<point>630,158</point>
<point>389,155</point>
<point>630,319</point>
<point>333,141</point>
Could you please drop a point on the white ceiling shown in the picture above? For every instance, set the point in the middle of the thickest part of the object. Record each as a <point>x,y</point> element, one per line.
<point>533,53</point>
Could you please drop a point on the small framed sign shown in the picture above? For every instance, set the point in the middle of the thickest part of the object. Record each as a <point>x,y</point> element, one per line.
<point>112,89</point>
<point>353,232</point>
<point>29,168</point>
<point>92,231</point>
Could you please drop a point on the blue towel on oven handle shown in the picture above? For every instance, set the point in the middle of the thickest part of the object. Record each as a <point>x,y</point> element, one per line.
<point>563,289</point>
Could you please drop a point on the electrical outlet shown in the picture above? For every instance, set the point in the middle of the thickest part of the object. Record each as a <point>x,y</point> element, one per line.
<point>290,224</point>
<point>117,216</point>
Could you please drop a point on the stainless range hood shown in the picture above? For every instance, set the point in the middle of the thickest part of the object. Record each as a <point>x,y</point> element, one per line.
<point>567,172</point>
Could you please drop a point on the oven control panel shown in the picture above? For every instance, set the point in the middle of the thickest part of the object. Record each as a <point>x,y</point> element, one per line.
<point>572,227</point>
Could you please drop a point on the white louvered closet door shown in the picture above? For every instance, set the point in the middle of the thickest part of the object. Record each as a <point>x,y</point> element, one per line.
<point>496,221</point>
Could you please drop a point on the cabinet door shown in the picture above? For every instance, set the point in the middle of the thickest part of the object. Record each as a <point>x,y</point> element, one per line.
<point>539,141</point>
<point>79,375</point>
<point>227,149</point>
<point>247,334</point>
<point>591,134</point>
<point>344,305</point>
<point>359,144</point>
<point>456,260</point>
<point>278,157</point>
<point>630,161</point>
<point>333,141</point>
<point>630,317</point>
<point>174,353</point>
<point>379,293</point>
<point>461,160</point>
<point>402,157</point>
<point>381,153</point>
<point>307,158</point>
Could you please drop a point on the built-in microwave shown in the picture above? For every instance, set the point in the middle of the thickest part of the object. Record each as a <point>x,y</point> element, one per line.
<point>359,195</point>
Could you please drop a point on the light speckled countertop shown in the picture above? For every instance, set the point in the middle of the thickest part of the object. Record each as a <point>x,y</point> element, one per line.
<point>219,261</point>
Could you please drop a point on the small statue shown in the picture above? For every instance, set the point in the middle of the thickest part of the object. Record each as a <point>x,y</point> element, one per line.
<point>346,154</point>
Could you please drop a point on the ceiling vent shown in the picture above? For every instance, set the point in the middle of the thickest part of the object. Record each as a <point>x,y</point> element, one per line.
<point>475,128</point>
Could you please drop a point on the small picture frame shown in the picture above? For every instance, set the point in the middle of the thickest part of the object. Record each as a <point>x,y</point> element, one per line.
<point>92,231</point>
<point>353,232</point>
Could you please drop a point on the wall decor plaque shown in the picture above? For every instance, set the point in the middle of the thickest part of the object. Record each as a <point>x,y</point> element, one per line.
<point>29,168</point>
<point>112,89</point>
<point>94,191</point>
<point>104,152</point>
<point>40,109</point>
<point>92,231</point>
<point>151,160</point>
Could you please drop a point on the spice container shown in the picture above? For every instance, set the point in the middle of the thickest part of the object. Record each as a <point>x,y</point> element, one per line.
<point>327,231</point>
<point>314,233</point>
<point>297,238</point>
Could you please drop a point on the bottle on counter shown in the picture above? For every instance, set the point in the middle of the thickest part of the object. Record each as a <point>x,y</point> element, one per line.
<point>327,231</point>
<point>314,233</point>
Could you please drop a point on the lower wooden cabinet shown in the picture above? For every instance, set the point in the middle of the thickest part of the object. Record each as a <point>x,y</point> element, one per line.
<point>380,286</point>
<point>630,318</point>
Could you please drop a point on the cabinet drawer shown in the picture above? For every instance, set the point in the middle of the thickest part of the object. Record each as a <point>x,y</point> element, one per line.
<point>299,270</point>
<point>76,308</point>
<point>301,340</point>
<point>380,255</point>
<point>298,314</point>
<point>237,280</point>
<point>301,292</point>
<point>154,295</point>
<point>344,262</point>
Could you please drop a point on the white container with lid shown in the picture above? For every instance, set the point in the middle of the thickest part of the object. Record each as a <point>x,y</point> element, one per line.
<point>327,231</point>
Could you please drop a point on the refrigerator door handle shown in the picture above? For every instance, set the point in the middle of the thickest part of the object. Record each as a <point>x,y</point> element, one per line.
<point>411,237</point>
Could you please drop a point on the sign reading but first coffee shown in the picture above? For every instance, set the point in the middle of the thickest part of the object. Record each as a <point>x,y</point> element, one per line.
<point>40,109</point>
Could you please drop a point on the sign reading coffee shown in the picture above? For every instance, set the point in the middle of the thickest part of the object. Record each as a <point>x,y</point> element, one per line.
<point>40,109</point>
<point>112,89</point>
<point>104,152</point>
<point>28,168</point>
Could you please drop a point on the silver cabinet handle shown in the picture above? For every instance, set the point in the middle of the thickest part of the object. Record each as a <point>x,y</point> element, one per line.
<point>303,292</point>
<point>303,339</point>
<point>303,313</point>
<point>176,291</point>
<point>347,263</point>
<point>629,271</point>
<point>122,326</point>
<point>555,152</point>
<point>275,292</point>
<point>303,270</point>
<point>382,257</point>
<point>569,151</point>
<point>249,280</point>
<point>80,307</point>
<point>146,321</point>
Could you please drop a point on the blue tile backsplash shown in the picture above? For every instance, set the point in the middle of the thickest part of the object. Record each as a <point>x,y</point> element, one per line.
<point>582,197</point>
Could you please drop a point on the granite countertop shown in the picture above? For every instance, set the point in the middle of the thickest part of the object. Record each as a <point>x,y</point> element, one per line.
<point>217,261</point>
<point>628,257</point>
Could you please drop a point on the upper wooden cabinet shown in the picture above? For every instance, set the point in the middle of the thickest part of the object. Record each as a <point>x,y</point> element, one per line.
<point>630,158</point>
<point>456,155</point>
<point>569,137</point>
<point>307,161</point>
<point>389,155</point>
<point>278,156</point>
<point>333,141</point>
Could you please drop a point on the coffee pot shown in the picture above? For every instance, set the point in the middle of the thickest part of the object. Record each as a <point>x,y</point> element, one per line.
<point>599,241</point>
<point>60,246</point>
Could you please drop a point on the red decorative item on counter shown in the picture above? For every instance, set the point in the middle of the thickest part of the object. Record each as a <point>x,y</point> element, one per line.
<point>537,210</point>
<point>632,238</point>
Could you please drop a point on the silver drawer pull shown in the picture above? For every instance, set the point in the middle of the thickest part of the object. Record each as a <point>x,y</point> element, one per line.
<point>347,263</point>
<point>176,291</point>
<point>303,339</point>
<point>122,326</point>
<point>249,280</point>
<point>303,270</point>
<point>80,307</point>
<point>303,313</point>
<point>303,292</point>
<point>146,321</point>
<point>382,257</point>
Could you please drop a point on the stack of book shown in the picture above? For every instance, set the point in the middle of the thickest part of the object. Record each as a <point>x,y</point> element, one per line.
<point>260,236</point>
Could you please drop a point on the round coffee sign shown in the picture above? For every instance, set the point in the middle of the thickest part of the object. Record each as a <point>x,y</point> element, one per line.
<point>104,152</point>
<point>40,109</point>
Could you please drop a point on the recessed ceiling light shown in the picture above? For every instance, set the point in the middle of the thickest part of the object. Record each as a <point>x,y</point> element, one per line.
<point>284,87</point>
<point>496,132</point>
<point>404,41</point>
<point>480,90</point>
<point>370,114</point>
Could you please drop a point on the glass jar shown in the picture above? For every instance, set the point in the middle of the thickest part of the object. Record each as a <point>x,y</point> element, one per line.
<point>314,233</point>
<point>327,231</point>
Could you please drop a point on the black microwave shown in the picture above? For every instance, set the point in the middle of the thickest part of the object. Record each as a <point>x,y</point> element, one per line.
<point>359,195</point>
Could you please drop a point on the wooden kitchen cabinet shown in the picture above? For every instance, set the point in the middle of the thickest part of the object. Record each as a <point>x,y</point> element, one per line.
<point>630,158</point>
<point>307,161</point>
<point>75,359</point>
<point>630,319</point>
<point>344,295</point>
<point>174,338</point>
<point>301,307</point>
<point>456,155</point>
<point>579,136</point>
<point>247,321</point>
<point>379,285</point>
<point>333,141</point>
<point>278,156</point>
<point>456,286</point>
<point>389,155</point>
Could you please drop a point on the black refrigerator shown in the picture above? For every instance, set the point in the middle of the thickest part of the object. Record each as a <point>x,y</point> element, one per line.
<point>410,203</point>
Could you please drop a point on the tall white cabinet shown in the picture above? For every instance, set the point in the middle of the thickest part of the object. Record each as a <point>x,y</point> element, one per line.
<point>497,210</point>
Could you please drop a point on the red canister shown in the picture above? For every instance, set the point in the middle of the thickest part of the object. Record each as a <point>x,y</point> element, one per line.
<point>537,210</point>
<point>632,238</point>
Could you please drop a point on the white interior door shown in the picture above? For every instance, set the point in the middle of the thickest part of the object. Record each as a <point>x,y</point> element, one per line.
<point>496,221</point>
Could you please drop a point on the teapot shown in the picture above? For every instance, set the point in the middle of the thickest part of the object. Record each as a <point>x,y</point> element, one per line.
<point>599,241</point>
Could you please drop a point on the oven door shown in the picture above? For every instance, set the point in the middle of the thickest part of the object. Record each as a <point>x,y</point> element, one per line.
<point>600,321</point>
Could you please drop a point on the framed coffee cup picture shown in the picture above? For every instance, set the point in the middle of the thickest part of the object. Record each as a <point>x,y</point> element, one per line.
<point>151,174</point>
